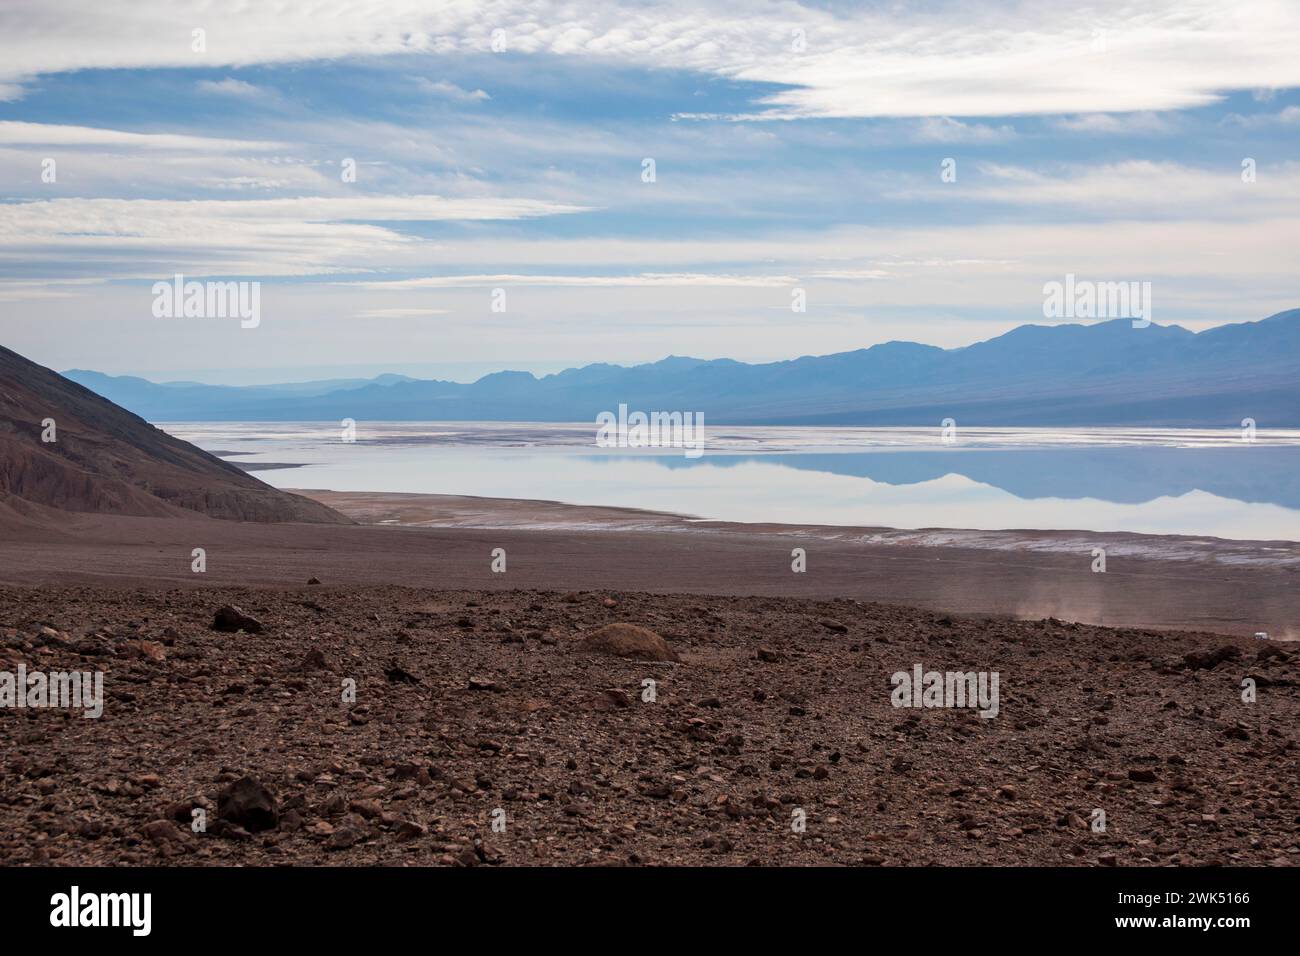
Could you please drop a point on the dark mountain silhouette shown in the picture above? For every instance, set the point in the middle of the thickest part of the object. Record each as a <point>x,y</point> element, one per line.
<point>1104,374</point>
<point>106,459</point>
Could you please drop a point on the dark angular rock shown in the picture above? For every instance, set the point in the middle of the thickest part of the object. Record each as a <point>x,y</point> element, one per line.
<point>231,618</point>
<point>1207,660</point>
<point>314,660</point>
<point>248,804</point>
<point>397,674</point>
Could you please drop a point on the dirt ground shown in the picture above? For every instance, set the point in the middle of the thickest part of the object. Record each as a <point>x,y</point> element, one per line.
<point>1150,581</point>
<point>484,733</point>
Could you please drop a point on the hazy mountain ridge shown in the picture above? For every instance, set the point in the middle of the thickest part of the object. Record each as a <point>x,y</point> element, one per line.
<point>1104,374</point>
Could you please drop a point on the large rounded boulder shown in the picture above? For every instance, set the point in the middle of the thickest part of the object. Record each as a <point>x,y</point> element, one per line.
<point>628,640</point>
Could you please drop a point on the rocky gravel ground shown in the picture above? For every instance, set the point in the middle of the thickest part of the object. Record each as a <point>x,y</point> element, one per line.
<point>488,728</point>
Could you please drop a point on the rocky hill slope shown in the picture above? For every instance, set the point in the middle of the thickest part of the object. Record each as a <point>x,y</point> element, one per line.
<point>62,446</point>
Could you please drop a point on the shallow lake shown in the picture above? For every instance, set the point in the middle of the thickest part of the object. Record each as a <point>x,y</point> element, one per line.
<point>1155,481</point>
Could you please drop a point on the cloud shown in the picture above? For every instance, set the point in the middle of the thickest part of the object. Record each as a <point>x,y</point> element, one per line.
<point>949,285</point>
<point>449,90</point>
<point>39,289</point>
<point>80,214</point>
<point>1112,124</point>
<point>272,237</point>
<point>944,129</point>
<point>1289,116</point>
<point>231,87</point>
<point>399,313</point>
<point>444,211</point>
<point>962,60</point>
<point>643,279</point>
<point>706,117</point>
<point>852,275</point>
<point>1126,190</point>
<point>14,133</point>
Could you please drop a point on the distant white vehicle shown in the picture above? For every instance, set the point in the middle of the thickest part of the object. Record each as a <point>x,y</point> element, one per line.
<point>1262,635</point>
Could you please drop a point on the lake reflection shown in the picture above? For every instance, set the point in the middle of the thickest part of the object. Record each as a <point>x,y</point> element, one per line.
<point>1151,481</point>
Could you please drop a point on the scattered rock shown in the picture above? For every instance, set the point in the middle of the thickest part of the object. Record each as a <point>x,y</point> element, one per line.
<point>149,650</point>
<point>590,775</point>
<point>229,831</point>
<point>410,830</point>
<point>397,674</point>
<point>182,811</point>
<point>313,660</point>
<point>248,804</point>
<point>1207,660</point>
<point>611,699</point>
<point>231,618</point>
<point>628,640</point>
<point>343,838</point>
<point>370,809</point>
<point>164,832</point>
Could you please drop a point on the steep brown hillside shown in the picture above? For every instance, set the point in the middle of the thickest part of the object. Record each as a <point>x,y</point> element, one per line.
<point>106,459</point>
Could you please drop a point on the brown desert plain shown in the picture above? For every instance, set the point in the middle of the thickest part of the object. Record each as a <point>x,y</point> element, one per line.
<point>348,681</point>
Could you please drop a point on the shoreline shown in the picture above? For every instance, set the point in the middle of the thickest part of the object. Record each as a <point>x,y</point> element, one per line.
<point>420,510</point>
<point>1150,583</point>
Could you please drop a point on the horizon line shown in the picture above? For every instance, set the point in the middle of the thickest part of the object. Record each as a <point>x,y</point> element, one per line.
<point>575,367</point>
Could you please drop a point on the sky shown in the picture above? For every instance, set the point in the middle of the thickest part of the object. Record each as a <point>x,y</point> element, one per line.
<point>912,171</point>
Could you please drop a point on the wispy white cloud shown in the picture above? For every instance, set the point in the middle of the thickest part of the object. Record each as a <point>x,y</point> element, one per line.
<point>944,261</point>
<point>959,60</point>
<point>231,87</point>
<point>14,133</point>
<point>1289,116</point>
<point>399,313</point>
<point>643,279</point>
<point>1201,270</point>
<point>1127,190</point>
<point>36,290</point>
<point>1116,124</point>
<point>944,129</point>
<point>273,237</point>
<point>449,90</point>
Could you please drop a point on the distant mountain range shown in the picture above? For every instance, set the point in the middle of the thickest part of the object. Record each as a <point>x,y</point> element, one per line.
<point>1104,374</point>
